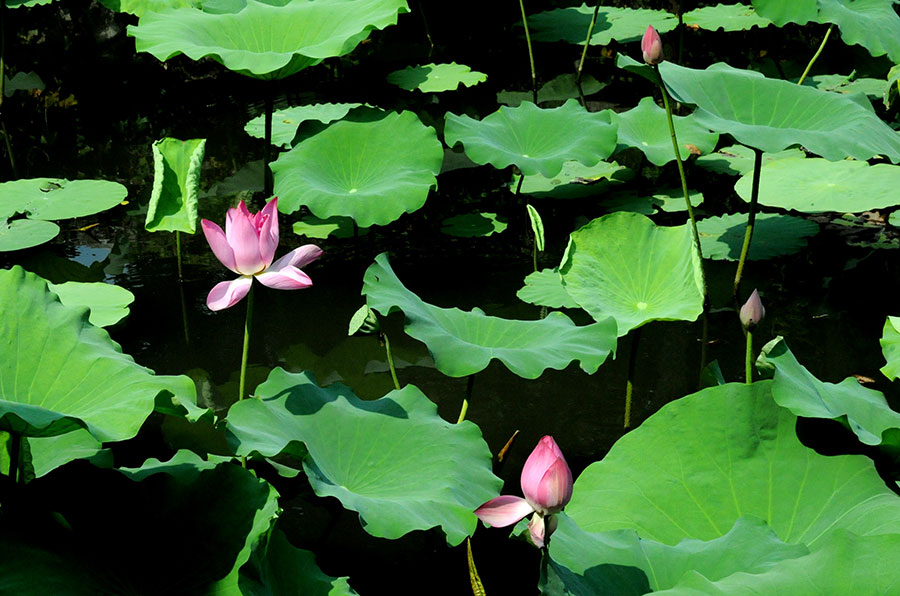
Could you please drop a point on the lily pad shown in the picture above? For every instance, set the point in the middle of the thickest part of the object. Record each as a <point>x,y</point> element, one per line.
<point>176,179</point>
<point>727,17</point>
<point>108,302</point>
<point>873,88</point>
<point>774,235</point>
<point>139,7</point>
<point>386,459</point>
<point>49,453</point>
<point>890,347</point>
<point>434,78</point>
<point>737,160</point>
<point>873,24</point>
<point>559,89</point>
<point>54,199</point>
<point>16,234</point>
<point>61,373</point>
<point>669,200</point>
<point>613,23</point>
<point>285,122</point>
<point>373,172</point>
<point>624,266</point>
<point>816,185</point>
<point>646,128</point>
<point>772,115</point>
<point>575,181</point>
<point>463,343</point>
<point>264,40</point>
<point>535,140</point>
<point>316,227</point>
<point>474,225</point>
<point>545,288</point>
<point>782,13</point>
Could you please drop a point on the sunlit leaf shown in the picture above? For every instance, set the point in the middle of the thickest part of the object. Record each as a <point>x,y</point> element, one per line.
<point>727,17</point>
<point>545,288</point>
<point>575,181</point>
<point>537,227</point>
<point>890,347</point>
<point>285,122</point>
<point>139,7</point>
<point>781,12</point>
<point>664,199</point>
<point>873,24</point>
<point>49,453</point>
<point>774,235</point>
<point>434,78</point>
<point>176,179</point>
<point>559,89</point>
<point>737,160</point>
<point>54,199</point>
<point>337,226</point>
<point>646,128</point>
<point>17,234</point>
<point>873,88</point>
<point>613,23</point>
<point>108,302</point>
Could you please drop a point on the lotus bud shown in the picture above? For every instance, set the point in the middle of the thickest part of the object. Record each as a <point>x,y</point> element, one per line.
<point>753,311</point>
<point>651,47</point>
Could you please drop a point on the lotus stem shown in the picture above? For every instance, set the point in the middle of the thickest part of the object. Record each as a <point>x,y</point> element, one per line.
<point>390,359</point>
<point>178,254</point>
<point>629,384</point>
<point>268,181</point>
<point>247,323</point>
<point>751,219</point>
<point>477,586</point>
<point>14,448</point>
<point>680,35</point>
<point>427,30</point>
<point>587,42</point>
<point>470,383</point>
<point>530,53</point>
<point>748,360</point>
<point>184,315</point>
<point>816,55</point>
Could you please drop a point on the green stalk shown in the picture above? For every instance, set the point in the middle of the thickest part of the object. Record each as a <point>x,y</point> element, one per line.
<point>178,254</point>
<point>816,55</point>
<point>530,53</point>
<point>629,384</point>
<point>748,361</point>
<point>427,30</point>
<point>586,43</point>
<point>247,322</point>
<point>470,383</point>
<point>14,450</point>
<point>184,315</point>
<point>751,219</point>
<point>390,359</point>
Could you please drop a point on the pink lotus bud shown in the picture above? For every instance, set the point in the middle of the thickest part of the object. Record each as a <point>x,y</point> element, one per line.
<point>753,311</point>
<point>651,46</point>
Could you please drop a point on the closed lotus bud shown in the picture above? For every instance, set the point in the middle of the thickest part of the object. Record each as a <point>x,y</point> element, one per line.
<point>753,311</point>
<point>546,478</point>
<point>651,47</point>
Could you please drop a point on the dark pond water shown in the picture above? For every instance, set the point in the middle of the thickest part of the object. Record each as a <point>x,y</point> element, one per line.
<point>829,301</point>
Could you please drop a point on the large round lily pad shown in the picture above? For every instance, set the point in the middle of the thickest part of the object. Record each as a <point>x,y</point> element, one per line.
<point>773,115</point>
<point>17,234</point>
<point>373,172</point>
<point>624,266</point>
<point>727,17</point>
<point>464,343</point>
<point>54,199</point>
<point>774,235</point>
<point>815,185</point>
<point>264,40</point>
<point>434,78</point>
<point>534,139</point>
<point>613,23</point>
<point>386,459</point>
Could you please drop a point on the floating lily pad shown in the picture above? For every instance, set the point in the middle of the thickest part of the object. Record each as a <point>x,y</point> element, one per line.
<point>873,24</point>
<point>624,266</point>
<point>386,459</point>
<point>646,128</point>
<point>176,179</point>
<point>890,347</point>
<point>559,88</point>
<point>534,139</point>
<point>338,227</point>
<point>463,343</point>
<point>16,234</point>
<point>475,224</point>
<point>434,78</point>
<point>54,199</point>
<point>737,160</point>
<point>781,12</point>
<point>575,181</point>
<point>265,40</point>
<point>773,115</point>
<point>873,88</point>
<point>545,288</point>
<point>373,172</point>
<point>816,185</point>
<point>774,235</point>
<point>139,7</point>
<point>285,122</point>
<point>108,302</point>
<point>727,17</point>
<point>61,373</point>
<point>620,24</point>
<point>669,200</point>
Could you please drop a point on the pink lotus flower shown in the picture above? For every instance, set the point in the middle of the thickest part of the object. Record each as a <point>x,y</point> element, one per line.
<point>247,247</point>
<point>753,311</point>
<point>651,46</point>
<point>547,486</point>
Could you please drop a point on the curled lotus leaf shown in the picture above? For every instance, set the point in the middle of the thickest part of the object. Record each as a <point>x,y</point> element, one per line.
<point>873,24</point>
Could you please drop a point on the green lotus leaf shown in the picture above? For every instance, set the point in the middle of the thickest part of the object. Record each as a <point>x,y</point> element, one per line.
<point>890,347</point>
<point>278,568</point>
<point>773,115</point>
<point>49,453</point>
<point>893,85</point>
<point>669,200</point>
<point>641,69</point>
<point>463,343</point>
<point>285,122</point>
<point>60,373</point>
<point>865,410</point>
<point>559,88</point>
<point>723,453</point>
<point>373,172</point>
<point>26,3</point>
<point>108,302</point>
<point>264,40</point>
<point>737,160</point>
<point>171,533</point>
<point>620,24</point>
<point>385,459</point>
<point>727,17</point>
<point>535,140</point>
<point>873,24</point>
<point>575,181</point>
<point>624,266</point>
<point>176,178</point>
<point>53,199</point>
<point>749,546</point>
<point>646,128</point>
<point>339,227</point>
<point>473,225</point>
<point>815,185</point>
<point>873,88</point>
<point>781,12</point>
<point>774,235</point>
<point>16,234</point>
<point>22,81</point>
<point>545,288</point>
<point>844,563</point>
<point>434,78</point>
<point>139,7</point>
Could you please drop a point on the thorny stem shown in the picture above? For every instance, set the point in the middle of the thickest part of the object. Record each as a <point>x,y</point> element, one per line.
<point>587,42</point>
<point>751,219</point>
<point>530,53</point>
<point>247,323</point>
<point>816,55</point>
<point>470,383</point>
